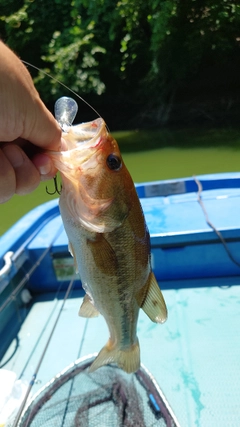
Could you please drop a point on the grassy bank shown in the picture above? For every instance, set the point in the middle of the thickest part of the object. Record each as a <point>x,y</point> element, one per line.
<point>154,155</point>
<point>134,140</point>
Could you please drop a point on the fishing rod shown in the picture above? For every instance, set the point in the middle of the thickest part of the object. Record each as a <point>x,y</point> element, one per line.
<point>32,269</point>
<point>33,379</point>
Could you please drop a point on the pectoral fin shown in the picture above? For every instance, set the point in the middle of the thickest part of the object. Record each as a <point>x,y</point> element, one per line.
<point>151,300</point>
<point>87,308</point>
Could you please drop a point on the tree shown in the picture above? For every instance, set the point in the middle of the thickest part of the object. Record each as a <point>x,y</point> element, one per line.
<point>131,58</point>
<point>183,36</point>
<point>54,38</point>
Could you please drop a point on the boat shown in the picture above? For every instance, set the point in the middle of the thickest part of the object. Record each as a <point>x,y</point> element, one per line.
<point>193,359</point>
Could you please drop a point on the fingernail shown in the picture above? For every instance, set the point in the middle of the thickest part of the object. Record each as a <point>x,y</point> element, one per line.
<point>45,169</point>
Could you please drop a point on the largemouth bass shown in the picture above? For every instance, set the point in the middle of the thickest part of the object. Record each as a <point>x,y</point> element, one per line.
<point>108,239</point>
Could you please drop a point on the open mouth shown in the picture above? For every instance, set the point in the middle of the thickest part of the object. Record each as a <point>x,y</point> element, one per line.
<point>87,134</point>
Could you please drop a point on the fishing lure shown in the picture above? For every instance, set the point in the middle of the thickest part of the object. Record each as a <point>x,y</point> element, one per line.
<point>65,111</point>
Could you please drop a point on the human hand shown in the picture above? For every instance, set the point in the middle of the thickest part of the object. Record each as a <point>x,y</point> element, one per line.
<point>27,130</point>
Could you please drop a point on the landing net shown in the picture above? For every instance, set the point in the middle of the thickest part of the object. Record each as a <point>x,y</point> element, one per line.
<point>107,397</point>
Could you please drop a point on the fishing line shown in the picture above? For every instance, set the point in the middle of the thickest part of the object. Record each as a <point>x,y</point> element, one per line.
<point>199,198</point>
<point>62,84</point>
<point>12,297</point>
<point>27,275</point>
<point>31,383</point>
<point>32,269</point>
<point>42,330</point>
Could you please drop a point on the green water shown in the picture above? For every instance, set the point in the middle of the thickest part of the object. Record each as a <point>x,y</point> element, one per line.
<point>164,163</point>
<point>15,208</point>
<point>170,163</point>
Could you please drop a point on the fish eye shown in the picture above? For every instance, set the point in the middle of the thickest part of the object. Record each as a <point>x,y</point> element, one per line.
<point>114,162</point>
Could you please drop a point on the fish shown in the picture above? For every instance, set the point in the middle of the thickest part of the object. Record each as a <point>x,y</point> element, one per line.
<point>108,239</point>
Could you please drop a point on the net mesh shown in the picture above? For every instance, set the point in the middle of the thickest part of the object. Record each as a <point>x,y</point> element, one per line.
<point>107,397</point>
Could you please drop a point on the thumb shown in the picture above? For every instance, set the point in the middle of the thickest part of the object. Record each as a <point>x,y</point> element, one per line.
<point>41,128</point>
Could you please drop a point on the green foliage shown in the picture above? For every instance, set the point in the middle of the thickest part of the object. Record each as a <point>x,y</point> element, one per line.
<point>136,53</point>
<point>73,55</point>
<point>184,35</point>
<point>52,36</point>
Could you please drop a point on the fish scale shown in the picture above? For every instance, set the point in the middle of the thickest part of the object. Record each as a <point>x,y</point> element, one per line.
<point>108,239</point>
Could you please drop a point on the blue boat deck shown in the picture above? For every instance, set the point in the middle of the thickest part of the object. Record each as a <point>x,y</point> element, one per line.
<point>194,356</point>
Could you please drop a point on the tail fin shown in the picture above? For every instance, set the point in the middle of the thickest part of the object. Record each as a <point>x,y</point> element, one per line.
<point>127,359</point>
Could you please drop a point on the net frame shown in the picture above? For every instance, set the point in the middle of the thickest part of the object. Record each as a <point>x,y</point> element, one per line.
<point>157,401</point>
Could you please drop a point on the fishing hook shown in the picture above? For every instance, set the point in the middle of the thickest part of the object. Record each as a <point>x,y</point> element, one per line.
<point>57,189</point>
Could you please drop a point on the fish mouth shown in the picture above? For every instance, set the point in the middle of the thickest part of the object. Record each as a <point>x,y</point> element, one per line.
<point>87,135</point>
<point>79,166</point>
<point>83,141</point>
